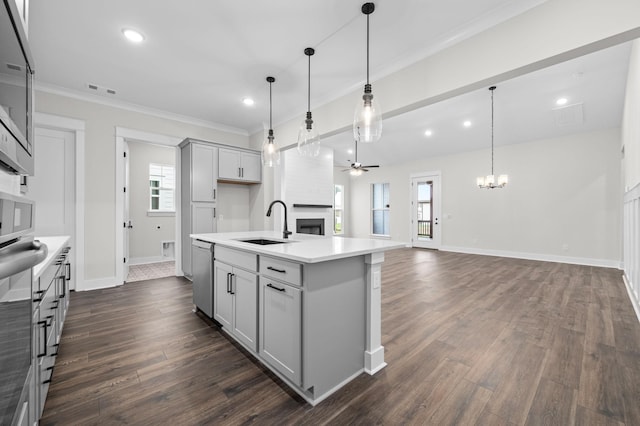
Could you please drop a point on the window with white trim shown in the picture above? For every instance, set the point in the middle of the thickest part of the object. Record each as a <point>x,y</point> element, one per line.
<point>380,209</point>
<point>338,209</point>
<point>162,183</point>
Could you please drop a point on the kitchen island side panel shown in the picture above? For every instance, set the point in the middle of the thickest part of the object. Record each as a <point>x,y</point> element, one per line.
<point>334,304</point>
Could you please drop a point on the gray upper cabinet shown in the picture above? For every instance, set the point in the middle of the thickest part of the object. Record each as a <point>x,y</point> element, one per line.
<point>239,166</point>
<point>204,176</point>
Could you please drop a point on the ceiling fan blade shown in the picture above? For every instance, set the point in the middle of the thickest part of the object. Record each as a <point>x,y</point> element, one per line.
<point>363,169</point>
<point>346,170</point>
<point>370,166</point>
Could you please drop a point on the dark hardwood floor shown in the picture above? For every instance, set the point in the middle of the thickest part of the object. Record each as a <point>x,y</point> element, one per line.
<point>470,340</point>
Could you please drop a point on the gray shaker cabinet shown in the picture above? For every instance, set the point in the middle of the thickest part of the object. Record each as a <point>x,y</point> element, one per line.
<point>280,328</point>
<point>199,189</point>
<point>236,302</point>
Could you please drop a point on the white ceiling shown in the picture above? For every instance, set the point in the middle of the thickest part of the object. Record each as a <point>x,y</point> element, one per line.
<point>202,57</point>
<point>524,111</point>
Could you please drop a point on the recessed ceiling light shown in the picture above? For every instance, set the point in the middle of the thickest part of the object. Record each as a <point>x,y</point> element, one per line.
<point>248,101</point>
<point>467,123</point>
<point>133,35</point>
<point>349,151</point>
<point>562,101</point>
<point>428,133</point>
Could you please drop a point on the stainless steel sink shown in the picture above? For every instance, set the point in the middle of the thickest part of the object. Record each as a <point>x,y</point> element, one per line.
<point>263,241</point>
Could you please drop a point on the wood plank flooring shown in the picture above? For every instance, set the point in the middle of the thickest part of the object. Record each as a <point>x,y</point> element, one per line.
<point>470,340</point>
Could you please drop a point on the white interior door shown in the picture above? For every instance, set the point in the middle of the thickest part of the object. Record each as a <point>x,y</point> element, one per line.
<point>53,186</point>
<point>127,219</point>
<point>425,211</point>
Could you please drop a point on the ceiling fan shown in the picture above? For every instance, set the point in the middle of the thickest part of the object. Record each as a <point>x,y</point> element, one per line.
<point>357,168</point>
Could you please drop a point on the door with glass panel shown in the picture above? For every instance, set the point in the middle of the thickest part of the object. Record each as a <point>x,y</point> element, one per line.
<point>425,211</point>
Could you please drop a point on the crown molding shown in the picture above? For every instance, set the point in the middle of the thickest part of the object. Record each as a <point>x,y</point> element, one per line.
<point>87,97</point>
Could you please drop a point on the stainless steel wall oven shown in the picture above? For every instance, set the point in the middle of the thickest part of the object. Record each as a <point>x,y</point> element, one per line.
<point>18,254</point>
<point>16,93</point>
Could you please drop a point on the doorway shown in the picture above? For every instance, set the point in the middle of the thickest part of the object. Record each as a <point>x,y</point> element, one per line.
<point>148,237</point>
<point>425,210</point>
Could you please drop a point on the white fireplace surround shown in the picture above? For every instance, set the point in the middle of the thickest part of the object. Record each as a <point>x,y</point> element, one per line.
<point>308,181</point>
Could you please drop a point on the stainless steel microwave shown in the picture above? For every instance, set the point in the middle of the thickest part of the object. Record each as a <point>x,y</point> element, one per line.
<point>16,93</point>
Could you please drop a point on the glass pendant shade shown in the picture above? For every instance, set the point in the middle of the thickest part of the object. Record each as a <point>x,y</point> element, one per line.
<point>308,138</point>
<point>270,152</point>
<point>367,120</point>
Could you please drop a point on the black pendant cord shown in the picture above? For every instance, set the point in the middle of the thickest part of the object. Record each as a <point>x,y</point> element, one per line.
<point>367,49</point>
<point>492,132</point>
<point>309,85</point>
<point>270,108</point>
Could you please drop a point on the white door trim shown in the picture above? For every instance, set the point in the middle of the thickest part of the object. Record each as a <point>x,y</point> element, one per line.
<point>437,241</point>
<point>50,121</point>
<point>122,134</point>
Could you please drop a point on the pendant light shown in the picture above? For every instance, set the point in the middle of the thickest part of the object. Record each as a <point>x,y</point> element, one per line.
<point>308,136</point>
<point>489,181</point>
<point>270,152</point>
<point>367,121</point>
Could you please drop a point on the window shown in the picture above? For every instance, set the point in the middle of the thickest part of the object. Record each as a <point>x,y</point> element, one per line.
<point>338,209</point>
<point>425,209</point>
<point>162,183</point>
<point>380,209</point>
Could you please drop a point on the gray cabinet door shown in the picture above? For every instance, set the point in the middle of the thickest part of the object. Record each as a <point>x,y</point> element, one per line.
<point>280,328</point>
<point>222,299</point>
<point>229,164</point>
<point>251,165</point>
<point>202,259</point>
<point>204,173</point>
<point>245,325</point>
<point>203,218</point>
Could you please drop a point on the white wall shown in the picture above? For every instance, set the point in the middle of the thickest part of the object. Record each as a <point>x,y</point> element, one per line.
<point>563,200</point>
<point>101,121</point>
<point>148,232</point>
<point>233,207</point>
<point>631,166</point>
<point>631,121</point>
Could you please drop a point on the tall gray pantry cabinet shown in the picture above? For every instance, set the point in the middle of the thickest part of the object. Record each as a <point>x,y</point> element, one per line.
<point>199,190</point>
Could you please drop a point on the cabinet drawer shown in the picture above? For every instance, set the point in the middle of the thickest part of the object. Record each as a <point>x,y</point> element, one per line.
<point>280,269</point>
<point>239,258</point>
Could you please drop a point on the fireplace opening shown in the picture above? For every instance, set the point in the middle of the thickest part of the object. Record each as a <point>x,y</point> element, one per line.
<point>310,226</point>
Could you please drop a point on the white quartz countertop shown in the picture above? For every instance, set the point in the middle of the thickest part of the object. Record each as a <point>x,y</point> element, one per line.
<point>301,247</point>
<point>54,247</point>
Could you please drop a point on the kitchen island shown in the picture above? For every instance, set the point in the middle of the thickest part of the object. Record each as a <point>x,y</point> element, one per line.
<point>307,307</point>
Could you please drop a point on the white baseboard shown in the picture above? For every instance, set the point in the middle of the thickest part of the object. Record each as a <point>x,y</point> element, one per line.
<point>604,263</point>
<point>147,260</point>
<point>97,284</point>
<point>634,298</point>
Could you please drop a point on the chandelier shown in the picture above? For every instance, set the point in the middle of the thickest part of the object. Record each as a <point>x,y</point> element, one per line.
<point>489,181</point>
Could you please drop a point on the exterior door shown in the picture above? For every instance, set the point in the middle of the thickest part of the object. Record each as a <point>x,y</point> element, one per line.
<point>425,211</point>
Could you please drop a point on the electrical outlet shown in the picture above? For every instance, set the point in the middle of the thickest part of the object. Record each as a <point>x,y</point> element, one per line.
<point>565,247</point>
<point>221,217</point>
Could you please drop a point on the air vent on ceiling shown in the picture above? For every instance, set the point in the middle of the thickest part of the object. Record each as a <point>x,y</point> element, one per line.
<point>14,67</point>
<point>569,115</point>
<point>100,89</point>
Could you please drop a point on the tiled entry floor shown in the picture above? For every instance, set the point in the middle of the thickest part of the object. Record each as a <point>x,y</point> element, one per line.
<point>151,270</point>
